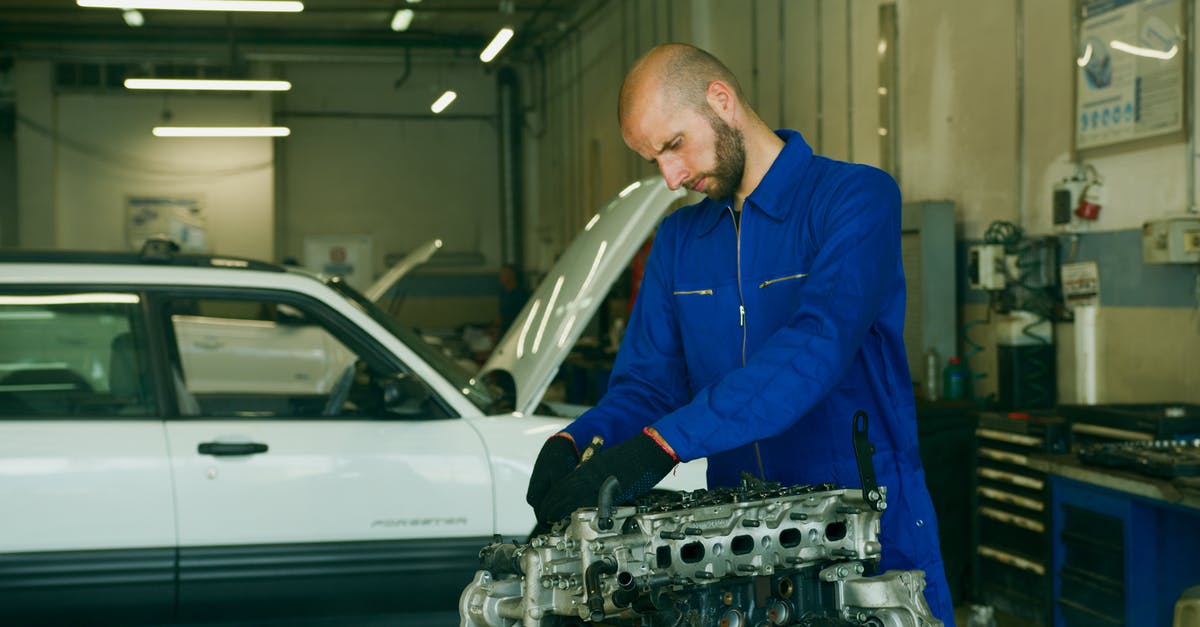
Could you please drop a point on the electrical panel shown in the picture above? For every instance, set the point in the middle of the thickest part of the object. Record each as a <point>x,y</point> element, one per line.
<point>986,267</point>
<point>1171,240</point>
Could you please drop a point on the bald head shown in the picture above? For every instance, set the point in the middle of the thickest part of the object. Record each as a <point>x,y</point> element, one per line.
<point>680,72</point>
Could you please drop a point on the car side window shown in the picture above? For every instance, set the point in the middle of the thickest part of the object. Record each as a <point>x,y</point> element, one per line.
<point>266,358</point>
<point>73,354</point>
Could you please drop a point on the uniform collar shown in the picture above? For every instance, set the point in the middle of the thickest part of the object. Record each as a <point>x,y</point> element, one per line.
<point>773,189</point>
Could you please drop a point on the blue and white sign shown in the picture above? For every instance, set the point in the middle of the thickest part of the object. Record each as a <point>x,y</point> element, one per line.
<point>1129,79</point>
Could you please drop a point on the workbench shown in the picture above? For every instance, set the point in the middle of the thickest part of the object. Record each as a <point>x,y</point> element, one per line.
<point>1125,545</point>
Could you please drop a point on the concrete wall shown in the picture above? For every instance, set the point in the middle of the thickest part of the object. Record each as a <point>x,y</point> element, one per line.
<point>82,154</point>
<point>975,127</point>
<point>366,157</point>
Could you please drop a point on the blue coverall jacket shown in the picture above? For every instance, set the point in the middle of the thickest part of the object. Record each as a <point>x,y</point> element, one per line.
<point>755,345</point>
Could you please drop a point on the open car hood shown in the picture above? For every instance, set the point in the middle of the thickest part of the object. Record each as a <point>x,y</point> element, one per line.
<point>416,257</point>
<point>562,305</point>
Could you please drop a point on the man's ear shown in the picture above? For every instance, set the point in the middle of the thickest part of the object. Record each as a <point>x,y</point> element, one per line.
<point>722,99</point>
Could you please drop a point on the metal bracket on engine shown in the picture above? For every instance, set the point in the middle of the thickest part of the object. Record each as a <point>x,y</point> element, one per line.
<point>863,449</point>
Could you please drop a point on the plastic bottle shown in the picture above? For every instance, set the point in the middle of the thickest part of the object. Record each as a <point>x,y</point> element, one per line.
<point>931,375</point>
<point>954,380</point>
<point>981,616</point>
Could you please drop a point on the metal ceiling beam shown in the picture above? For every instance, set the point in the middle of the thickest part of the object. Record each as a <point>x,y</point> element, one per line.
<point>15,34</point>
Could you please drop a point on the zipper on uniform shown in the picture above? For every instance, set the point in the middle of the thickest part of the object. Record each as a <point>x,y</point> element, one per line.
<point>782,278</point>
<point>737,229</point>
<point>700,292</point>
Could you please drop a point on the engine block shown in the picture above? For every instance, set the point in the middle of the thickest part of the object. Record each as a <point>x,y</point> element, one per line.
<point>733,557</point>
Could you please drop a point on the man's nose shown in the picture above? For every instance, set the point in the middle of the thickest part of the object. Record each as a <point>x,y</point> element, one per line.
<point>673,172</point>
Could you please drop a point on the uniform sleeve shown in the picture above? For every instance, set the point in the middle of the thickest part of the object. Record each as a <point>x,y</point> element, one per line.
<point>649,378</point>
<point>856,267</point>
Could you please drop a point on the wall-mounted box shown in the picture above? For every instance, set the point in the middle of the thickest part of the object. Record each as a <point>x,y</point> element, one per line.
<point>986,267</point>
<point>1171,240</point>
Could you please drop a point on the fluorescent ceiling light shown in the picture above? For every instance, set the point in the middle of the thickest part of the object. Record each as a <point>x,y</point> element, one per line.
<point>278,6</point>
<point>206,84</point>
<point>133,18</point>
<point>93,298</point>
<point>1140,51</point>
<point>222,131</point>
<point>497,44</point>
<point>443,101</point>
<point>402,19</point>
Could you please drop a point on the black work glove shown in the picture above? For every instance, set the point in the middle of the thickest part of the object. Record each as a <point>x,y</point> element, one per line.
<point>556,460</point>
<point>638,463</point>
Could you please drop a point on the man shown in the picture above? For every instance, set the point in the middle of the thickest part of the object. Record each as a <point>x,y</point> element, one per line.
<point>512,297</point>
<point>770,313</point>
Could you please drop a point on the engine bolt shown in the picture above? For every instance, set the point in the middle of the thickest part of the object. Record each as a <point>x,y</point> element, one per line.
<point>727,598</point>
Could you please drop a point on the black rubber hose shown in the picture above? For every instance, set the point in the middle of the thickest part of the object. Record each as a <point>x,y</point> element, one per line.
<point>591,582</point>
<point>604,504</point>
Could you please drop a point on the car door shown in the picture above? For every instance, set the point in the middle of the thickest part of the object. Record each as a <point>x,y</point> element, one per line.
<point>87,533</point>
<point>322,497</point>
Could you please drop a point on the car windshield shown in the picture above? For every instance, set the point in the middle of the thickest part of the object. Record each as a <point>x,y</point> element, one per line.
<point>476,391</point>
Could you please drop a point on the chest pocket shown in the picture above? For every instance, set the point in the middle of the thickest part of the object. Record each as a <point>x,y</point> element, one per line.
<point>777,297</point>
<point>789,277</point>
<point>701,305</point>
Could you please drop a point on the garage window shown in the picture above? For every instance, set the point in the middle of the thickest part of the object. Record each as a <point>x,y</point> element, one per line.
<point>72,354</point>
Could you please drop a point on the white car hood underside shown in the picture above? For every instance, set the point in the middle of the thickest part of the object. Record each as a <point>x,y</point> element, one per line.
<point>559,309</point>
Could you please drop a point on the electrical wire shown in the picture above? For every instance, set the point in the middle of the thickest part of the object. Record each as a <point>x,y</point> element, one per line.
<point>133,163</point>
<point>973,349</point>
<point>1028,288</point>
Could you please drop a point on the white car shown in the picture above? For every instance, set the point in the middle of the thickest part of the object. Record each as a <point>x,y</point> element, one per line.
<point>187,438</point>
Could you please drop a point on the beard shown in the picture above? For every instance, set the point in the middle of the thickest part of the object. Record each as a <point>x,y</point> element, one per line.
<point>726,175</point>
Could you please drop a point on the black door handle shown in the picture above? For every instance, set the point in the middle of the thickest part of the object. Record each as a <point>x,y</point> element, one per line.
<point>231,448</point>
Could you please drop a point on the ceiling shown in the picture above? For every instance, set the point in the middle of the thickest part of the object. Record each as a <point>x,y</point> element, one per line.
<point>56,27</point>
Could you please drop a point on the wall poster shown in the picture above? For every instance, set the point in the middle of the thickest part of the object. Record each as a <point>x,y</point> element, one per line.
<point>1129,71</point>
<point>180,218</point>
<point>348,256</point>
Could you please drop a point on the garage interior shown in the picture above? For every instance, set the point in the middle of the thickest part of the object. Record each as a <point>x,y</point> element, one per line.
<point>1053,264</point>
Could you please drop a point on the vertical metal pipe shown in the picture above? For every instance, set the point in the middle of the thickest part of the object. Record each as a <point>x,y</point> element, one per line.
<point>1020,112</point>
<point>630,164</point>
<point>1190,104</point>
<point>654,21</point>
<point>754,51</point>
<point>581,199</point>
<point>897,109</point>
<point>512,205</point>
<point>670,20</point>
<point>849,85</point>
<point>279,174</point>
<point>820,80</point>
<point>782,65</point>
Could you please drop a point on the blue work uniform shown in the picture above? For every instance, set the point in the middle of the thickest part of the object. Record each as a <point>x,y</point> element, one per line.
<point>754,344</point>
